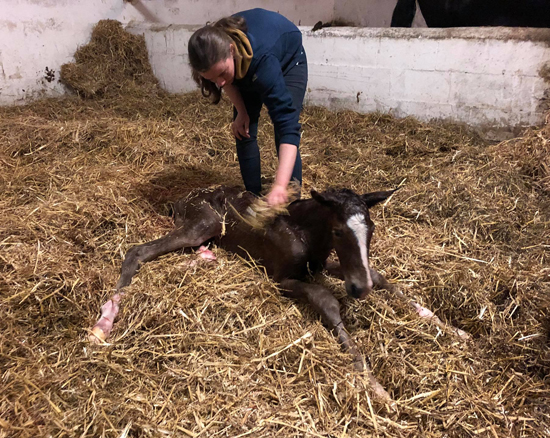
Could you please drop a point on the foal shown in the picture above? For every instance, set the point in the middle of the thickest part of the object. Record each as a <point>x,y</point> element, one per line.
<point>290,248</point>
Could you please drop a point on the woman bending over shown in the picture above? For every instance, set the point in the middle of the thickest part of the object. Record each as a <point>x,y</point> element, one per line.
<point>257,58</point>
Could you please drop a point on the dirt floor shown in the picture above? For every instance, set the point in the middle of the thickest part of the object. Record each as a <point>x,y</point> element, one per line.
<point>214,349</point>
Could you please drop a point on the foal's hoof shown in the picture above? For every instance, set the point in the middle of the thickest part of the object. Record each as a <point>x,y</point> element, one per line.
<point>205,254</point>
<point>378,391</point>
<point>380,394</point>
<point>100,331</point>
<point>461,333</point>
<point>98,336</point>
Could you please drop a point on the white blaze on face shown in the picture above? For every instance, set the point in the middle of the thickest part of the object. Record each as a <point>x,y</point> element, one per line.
<point>359,227</point>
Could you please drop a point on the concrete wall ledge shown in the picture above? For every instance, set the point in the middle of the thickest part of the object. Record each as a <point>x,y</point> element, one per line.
<point>534,35</point>
<point>492,79</point>
<point>466,33</point>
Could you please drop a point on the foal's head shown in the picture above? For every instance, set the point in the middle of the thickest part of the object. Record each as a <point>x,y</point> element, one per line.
<point>352,230</point>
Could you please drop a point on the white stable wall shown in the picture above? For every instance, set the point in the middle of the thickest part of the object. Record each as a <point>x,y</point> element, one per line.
<point>488,78</point>
<point>38,36</point>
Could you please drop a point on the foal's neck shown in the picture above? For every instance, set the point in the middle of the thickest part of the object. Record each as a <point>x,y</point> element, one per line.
<point>310,215</point>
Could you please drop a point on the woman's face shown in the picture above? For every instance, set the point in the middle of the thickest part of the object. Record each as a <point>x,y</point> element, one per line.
<point>222,72</point>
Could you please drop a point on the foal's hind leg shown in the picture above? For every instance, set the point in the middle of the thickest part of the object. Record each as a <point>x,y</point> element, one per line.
<point>328,307</point>
<point>189,234</point>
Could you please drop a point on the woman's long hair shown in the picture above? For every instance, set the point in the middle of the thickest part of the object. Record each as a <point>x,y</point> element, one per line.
<point>209,45</point>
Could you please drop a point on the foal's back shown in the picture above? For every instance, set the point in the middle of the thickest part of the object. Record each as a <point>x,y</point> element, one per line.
<point>288,247</point>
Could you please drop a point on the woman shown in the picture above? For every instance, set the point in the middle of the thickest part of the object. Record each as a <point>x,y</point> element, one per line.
<point>257,58</point>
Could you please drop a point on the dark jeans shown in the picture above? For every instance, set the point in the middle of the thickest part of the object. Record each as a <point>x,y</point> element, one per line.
<point>247,148</point>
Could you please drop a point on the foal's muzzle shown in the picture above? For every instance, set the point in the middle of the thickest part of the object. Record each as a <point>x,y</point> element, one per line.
<point>358,292</point>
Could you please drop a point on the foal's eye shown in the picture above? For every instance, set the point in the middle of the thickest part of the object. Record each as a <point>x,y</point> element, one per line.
<point>337,233</point>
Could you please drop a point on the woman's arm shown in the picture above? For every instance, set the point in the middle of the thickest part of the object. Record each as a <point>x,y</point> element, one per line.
<point>239,127</point>
<point>270,83</point>
<point>235,97</point>
<point>287,158</point>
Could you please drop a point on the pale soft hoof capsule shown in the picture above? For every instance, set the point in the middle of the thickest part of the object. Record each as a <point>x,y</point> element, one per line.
<point>97,336</point>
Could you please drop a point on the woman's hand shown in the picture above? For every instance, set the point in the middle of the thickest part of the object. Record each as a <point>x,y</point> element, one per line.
<point>277,196</point>
<point>239,127</point>
<point>279,192</point>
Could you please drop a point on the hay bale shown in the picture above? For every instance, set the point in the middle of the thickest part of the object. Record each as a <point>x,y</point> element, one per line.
<point>113,63</point>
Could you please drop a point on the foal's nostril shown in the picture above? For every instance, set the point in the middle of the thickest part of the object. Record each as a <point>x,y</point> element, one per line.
<point>358,292</point>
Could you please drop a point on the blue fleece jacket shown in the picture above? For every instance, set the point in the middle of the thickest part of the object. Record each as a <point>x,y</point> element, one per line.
<point>275,42</point>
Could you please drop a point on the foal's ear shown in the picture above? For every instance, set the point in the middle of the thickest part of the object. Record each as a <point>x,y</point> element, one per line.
<point>373,198</point>
<point>322,198</point>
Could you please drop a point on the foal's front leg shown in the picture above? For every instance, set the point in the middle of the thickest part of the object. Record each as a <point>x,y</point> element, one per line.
<point>328,307</point>
<point>187,235</point>
<point>380,281</point>
<point>333,269</point>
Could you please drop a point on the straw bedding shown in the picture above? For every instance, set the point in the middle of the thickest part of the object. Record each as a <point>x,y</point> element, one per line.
<point>212,349</point>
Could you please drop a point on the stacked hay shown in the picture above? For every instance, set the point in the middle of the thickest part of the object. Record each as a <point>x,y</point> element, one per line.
<point>114,63</point>
<point>213,349</point>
